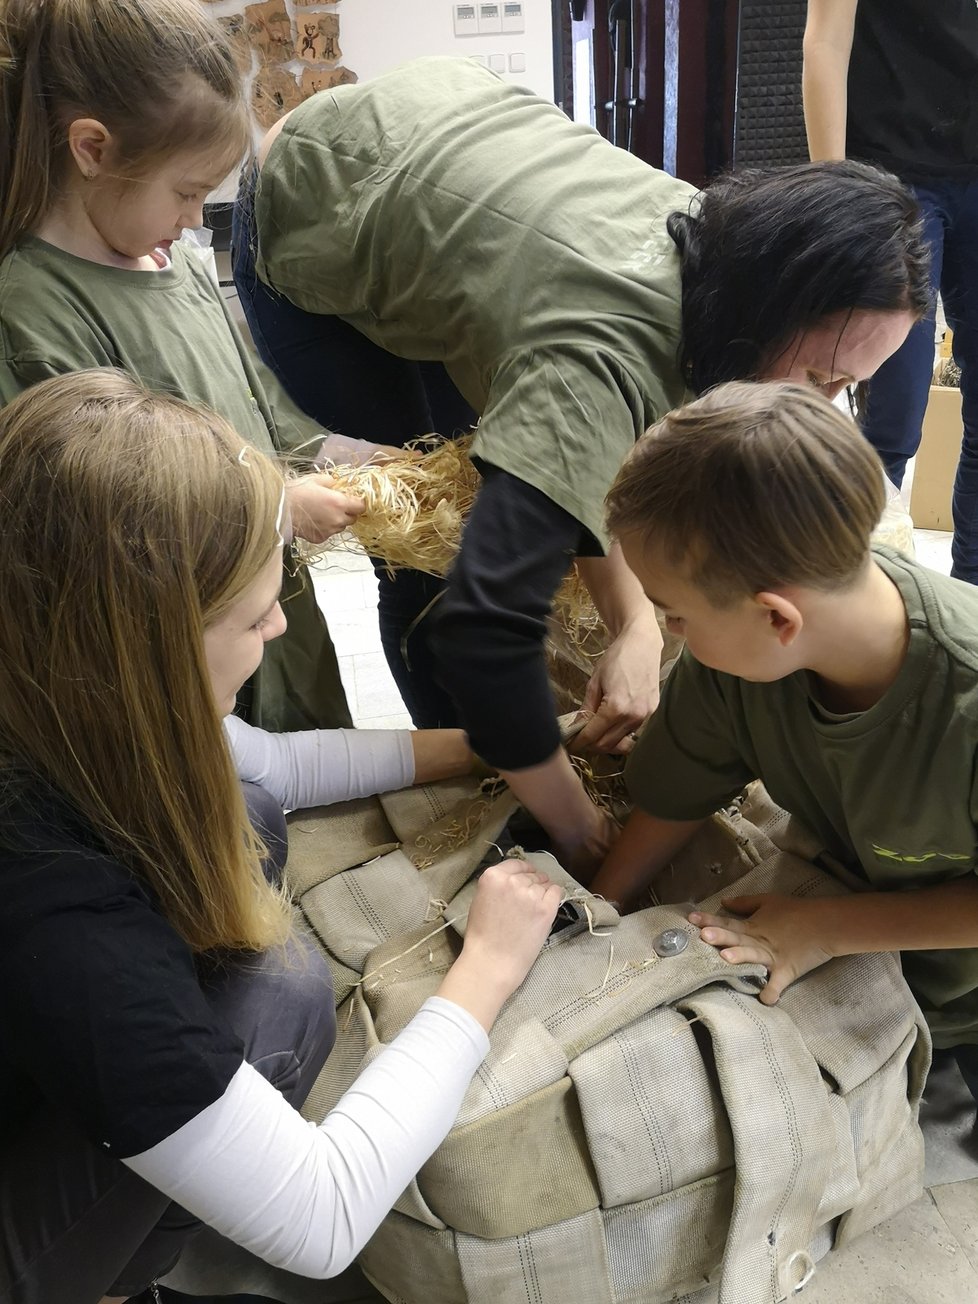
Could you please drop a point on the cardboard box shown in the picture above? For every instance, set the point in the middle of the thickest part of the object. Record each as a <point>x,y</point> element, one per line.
<point>937,460</point>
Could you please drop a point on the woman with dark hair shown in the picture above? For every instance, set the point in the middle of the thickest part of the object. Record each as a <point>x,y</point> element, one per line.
<point>570,295</point>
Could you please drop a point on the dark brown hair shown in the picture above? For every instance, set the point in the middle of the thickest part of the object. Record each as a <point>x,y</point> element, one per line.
<point>768,253</point>
<point>751,488</point>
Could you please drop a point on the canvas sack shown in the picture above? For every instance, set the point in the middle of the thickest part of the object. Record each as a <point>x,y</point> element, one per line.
<point>643,1129</point>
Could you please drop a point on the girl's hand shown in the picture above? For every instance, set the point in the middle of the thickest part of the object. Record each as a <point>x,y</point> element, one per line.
<point>779,932</point>
<point>318,511</point>
<point>509,921</point>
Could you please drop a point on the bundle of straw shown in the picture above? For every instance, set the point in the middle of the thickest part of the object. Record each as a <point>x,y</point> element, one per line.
<point>415,510</point>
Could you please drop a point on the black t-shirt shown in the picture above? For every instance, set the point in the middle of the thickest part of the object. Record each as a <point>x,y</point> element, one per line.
<point>913,87</point>
<point>101,1012</point>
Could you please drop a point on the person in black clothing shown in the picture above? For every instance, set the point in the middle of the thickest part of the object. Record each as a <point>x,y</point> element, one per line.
<point>162,1016</point>
<point>896,84</point>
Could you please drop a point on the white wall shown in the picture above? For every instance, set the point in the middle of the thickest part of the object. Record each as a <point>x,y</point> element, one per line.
<point>378,34</point>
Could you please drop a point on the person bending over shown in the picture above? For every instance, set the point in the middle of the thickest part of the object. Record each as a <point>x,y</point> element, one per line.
<point>573,295</point>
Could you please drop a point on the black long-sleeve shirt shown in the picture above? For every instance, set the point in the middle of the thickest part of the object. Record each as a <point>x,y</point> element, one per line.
<point>489,629</point>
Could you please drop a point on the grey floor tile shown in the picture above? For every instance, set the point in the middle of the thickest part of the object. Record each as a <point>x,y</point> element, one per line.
<point>355,632</point>
<point>933,549</point>
<point>341,592</point>
<point>912,1258</point>
<point>398,720</point>
<point>376,692</point>
<point>947,1118</point>
<point>957,1203</point>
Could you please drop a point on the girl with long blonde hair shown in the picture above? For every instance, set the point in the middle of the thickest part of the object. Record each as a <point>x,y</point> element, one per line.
<point>160,1021</point>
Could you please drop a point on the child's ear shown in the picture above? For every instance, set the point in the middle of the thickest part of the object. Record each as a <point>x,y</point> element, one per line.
<point>88,141</point>
<point>783,616</point>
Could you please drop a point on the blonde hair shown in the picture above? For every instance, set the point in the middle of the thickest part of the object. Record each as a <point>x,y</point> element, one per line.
<point>159,74</point>
<point>130,522</point>
<point>753,487</point>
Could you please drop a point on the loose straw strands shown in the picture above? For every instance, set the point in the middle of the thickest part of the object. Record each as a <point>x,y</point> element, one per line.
<point>606,788</point>
<point>414,512</point>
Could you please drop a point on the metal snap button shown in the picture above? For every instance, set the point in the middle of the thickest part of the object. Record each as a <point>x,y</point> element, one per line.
<point>672,941</point>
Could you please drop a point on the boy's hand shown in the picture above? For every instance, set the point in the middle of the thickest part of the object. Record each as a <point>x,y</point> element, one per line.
<point>779,932</point>
<point>318,511</point>
<point>583,858</point>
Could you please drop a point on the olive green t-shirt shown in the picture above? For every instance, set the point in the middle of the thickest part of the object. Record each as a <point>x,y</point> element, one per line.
<point>891,792</point>
<point>171,330</point>
<point>451,216</point>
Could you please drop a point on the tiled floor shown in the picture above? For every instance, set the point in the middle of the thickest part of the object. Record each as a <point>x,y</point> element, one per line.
<point>347,592</point>
<point>928,1254</point>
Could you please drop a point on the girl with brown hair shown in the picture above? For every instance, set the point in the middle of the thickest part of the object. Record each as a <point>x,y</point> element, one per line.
<point>119,119</point>
<point>153,993</point>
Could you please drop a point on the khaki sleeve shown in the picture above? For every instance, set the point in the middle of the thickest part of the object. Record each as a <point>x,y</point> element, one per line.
<point>293,433</point>
<point>562,420</point>
<point>12,381</point>
<point>687,762</point>
<point>20,373</point>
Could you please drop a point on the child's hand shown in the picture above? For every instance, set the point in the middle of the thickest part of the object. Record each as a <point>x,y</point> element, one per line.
<point>583,859</point>
<point>779,932</point>
<point>509,921</point>
<point>319,511</point>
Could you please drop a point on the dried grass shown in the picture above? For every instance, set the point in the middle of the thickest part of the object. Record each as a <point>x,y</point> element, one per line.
<point>415,510</point>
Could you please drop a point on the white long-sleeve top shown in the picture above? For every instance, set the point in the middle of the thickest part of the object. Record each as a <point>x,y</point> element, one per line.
<point>306,1198</point>
<point>316,767</point>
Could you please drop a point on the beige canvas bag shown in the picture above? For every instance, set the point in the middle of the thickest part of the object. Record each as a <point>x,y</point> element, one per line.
<point>643,1129</point>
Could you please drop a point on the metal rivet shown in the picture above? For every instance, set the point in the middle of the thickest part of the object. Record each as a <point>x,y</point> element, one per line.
<point>672,941</point>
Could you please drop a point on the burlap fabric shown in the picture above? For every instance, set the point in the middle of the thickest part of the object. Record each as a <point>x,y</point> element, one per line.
<point>643,1129</point>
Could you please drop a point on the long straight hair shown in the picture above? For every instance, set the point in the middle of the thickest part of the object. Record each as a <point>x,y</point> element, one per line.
<point>159,74</point>
<point>130,522</point>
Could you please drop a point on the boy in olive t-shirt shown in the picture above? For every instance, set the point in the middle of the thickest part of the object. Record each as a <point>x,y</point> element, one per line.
<point>845,679</point>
